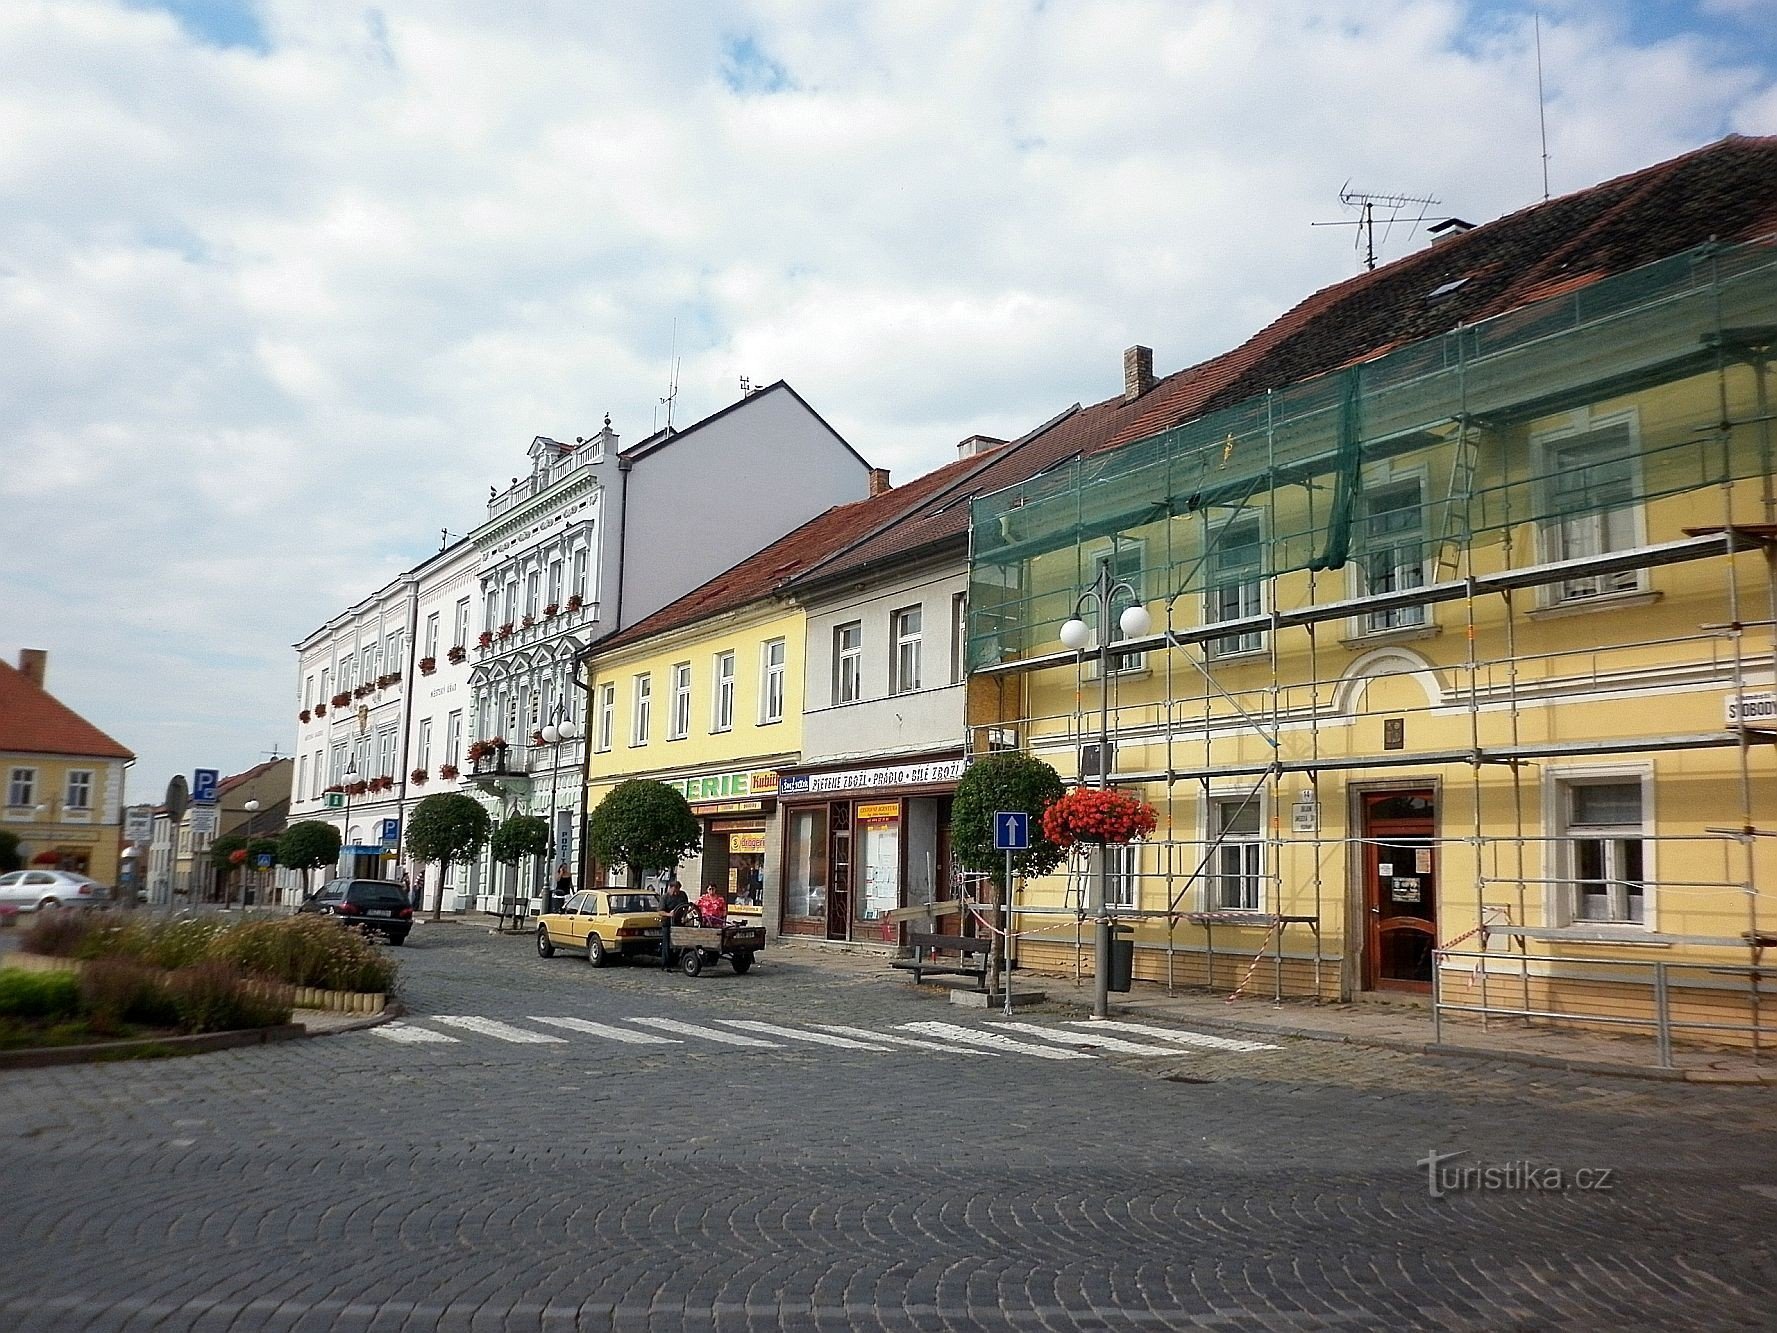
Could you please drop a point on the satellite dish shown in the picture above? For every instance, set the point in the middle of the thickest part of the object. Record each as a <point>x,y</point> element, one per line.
<point>178,797</point>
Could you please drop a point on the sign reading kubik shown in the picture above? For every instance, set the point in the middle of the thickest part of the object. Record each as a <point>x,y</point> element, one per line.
<point>1011,831</point>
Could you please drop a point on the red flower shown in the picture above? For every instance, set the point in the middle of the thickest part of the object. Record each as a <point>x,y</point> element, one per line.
<point>1087,814</point>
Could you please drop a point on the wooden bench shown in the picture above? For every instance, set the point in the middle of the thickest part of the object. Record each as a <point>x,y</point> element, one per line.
<point>964,945</point>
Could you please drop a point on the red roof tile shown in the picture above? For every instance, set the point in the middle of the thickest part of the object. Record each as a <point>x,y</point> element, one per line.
<point>34,721</point>
<point>1725,191</point>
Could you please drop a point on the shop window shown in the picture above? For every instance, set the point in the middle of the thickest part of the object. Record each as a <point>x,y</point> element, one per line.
<point>722,692</point>
<point>642,703</point>
<point>607,715</point>
<point>805,863</point>
<point>848,662</point>
<point>1603,836</point>
<point>904,665</point>
<point>879,859</point>
<point>1238,856</point>
<point>679,720</point>
<point>771,681</point>
<point>1393,558</point>
<point>1235,590</point>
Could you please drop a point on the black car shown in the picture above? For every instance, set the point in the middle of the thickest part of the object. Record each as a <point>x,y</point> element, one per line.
<point>368,904</point>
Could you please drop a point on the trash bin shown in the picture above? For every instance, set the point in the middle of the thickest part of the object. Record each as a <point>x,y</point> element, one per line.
<point>1122,969</point>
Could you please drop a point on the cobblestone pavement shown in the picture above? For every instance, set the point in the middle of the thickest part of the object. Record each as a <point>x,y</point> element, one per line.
<point>465,1179</point>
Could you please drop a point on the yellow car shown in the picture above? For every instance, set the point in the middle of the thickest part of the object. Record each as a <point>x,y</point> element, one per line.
<point>604,922</point>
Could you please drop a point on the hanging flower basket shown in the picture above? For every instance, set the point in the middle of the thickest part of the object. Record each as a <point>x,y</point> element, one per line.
<point>457,654</point>
<point>479,750</point>
<point>1095,815</point>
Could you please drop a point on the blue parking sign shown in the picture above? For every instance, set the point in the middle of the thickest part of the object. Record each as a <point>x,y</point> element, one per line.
<point>391,831</point>
<point>1011,831</point>
<point>204,782</point>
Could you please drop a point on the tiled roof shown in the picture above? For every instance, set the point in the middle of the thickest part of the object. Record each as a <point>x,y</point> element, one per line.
<point>764,573</point>
<point>1726,191</point>
<point>258,770</point>
<point>34,721</point>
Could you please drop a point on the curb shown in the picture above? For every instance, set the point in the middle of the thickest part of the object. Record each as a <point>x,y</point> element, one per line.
<point>390,1012</point>
<point>199,1044</point>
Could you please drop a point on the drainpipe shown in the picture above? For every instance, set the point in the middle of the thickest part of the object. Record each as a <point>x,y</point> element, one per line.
<point>623,467</point>
<point>408,681</point>
<point>581,811</point>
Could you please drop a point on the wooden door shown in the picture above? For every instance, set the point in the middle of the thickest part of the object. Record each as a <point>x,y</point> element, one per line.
<point>1400,889</point>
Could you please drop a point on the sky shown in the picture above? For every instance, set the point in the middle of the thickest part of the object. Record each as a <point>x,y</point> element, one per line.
<point>285,285</point>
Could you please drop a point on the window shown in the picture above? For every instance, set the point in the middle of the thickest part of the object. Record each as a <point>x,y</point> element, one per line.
<point>423,750</point>
<point>848,662</point>
<point>344,675</point>
<point>324,695</point>
<point>904,663</point>
<point>722,692</point>
<point>1122,881</point>
<point>431,636</point>
<point>385,753</point>
<point>644,694</point>
<point>1127,569</point>
<point>336,765</point>
<point>959,637</point>
<point>367,665</point>
<point>79,795</point>
<point>308,693</point>
<point>462,635</point>
<point>771,681</point>
<point>532,587</point>
<point>607,715</point>
<point>1592,490</point>
<point>316,772</point>
<point>1234,567</point>
<point>1603,836</point>
<point>1393,557</point>
<point>555,583</point>
<point>580,573</point>
<point>492,620</point>
<point>22,788</point>
<point>1238,859</point>
<point>394,650</point>
<point>511,615</point>
<point>453,737</point>
<point>302,775</point>
<point>679,721</point>
<point>805,869</point>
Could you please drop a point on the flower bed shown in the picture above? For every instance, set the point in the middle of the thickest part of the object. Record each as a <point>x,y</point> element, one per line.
<point>114,999</point>
<point>1097,815</point>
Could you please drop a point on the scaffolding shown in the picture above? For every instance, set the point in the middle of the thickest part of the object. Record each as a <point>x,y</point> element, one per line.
<point>1518,472</point>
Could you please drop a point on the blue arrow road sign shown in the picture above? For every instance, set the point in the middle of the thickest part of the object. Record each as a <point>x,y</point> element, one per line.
<point>1011,831</point>
<point>204,782</point>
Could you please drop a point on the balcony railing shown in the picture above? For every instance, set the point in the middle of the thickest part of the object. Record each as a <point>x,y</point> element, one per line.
<point>547,627</point>
<point>535,484</point>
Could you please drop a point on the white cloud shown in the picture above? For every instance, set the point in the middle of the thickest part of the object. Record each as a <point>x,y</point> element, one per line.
<point>270,319</point>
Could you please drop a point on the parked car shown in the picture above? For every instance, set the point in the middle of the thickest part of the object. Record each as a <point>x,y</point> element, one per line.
<point>378,905</point>
<point>50,888</point>
<point>604,922</point>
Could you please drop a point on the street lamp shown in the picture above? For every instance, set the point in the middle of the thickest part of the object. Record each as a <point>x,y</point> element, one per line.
<point>1076,634</point>
<point>562,728</point>
<point>351,776</point>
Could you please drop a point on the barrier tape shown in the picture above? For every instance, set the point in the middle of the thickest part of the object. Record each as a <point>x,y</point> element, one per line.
<point>1253,966</point>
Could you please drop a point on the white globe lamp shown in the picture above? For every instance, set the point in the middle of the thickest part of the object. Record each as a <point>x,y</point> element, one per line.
<point>1076,634</point>
<point>1135,621</point>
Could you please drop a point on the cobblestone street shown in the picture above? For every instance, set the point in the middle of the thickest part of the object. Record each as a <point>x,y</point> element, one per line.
<point>544,1145</point>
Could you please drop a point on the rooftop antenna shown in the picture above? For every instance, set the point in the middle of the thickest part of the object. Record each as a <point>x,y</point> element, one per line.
<point>1367,205</point>
<point>1542,105</point>
<point>672,383</point>
<point>746,386</point>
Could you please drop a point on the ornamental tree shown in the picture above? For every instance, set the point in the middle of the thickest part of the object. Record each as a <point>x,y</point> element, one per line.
<point>519,837</point>
<point>1006,781</point>
<point>444,828</point>
<point>644,825</point>
<point>307,846</point>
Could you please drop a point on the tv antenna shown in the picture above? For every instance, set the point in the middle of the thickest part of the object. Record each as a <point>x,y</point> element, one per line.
<point>672,382</point>
<point>1392,206</point>
<point>1542,103</point>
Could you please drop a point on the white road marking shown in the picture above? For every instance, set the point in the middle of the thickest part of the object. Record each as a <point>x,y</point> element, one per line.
<point>971,1037</point>
<point>794,1034</point>
<point>903,1041</point>
<point>1105,1043</point>
<point>492,1027</point>
<point>1179,1035</point>
<point>606,1030</point>
<point>708,1034</point>
<point>399,1031</point>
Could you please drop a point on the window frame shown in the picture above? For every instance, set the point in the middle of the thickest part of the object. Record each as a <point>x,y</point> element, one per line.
<point>678,714</point>
<point>1400,619</point>
<point>1251,849</point>
<point>607,717</point>
<point>433,620</point>
<point>641,708</point>
<point>1553,544</point>
<point>848,663</point>
<point>26,784</point>
<point>959,637</point>
<point>1233,645</point>
<point>899,641</point>
<point>1565,909</point>
<point>773,678</point>
<point>90,784</point>
<point>1096,554</point>
<point>722,686</point>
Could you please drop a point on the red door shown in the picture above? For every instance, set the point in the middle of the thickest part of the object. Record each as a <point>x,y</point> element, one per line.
<point>1400,889</point>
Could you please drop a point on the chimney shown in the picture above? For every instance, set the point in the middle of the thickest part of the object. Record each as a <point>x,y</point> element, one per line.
<point>32,664</point>
<point>879,482</point>
<point>977,444</point>
<point>1449,227</point>
<point>1138,372</point>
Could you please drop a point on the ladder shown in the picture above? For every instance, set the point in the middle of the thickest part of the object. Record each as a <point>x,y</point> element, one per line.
<point>1455,527</point>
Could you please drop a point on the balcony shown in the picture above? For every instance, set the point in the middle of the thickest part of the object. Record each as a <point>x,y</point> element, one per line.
<point>547,627</point>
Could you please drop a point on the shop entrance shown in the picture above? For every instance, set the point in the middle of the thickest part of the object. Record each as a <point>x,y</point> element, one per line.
<point>1400,856</point>
<point>839,874</point>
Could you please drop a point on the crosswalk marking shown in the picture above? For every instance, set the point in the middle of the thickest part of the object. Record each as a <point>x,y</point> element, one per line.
<point>708,1034</point>
<point>399,1031</point>
<point>795,1034</point>
<point>1116,1044</point>
<point>493,1027</point>
<point>971,1037</point>
<point>894,1040</point>
<point>606,1030</point>
<point>1179,1035</point>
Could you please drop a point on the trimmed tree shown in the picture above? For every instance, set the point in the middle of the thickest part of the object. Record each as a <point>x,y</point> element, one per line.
<point>1006,781</point>
<point>643,825</point>
<point>445,828</point>
<point>518,837</point>
<point>307,846</point>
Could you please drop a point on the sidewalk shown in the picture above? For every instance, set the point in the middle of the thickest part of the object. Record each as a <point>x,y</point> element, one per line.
<point>1391,1026</point>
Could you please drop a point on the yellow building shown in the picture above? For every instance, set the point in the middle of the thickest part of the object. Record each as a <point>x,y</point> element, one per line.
<point>1463,673</point>
<point>64,777</point>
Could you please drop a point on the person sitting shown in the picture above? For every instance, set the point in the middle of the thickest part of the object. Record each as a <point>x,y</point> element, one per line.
<point>672,904</point>
<point>712,908</point>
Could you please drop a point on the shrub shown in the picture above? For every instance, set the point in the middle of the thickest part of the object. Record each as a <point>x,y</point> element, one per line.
<point>213,997</point>
<point>306,951</point>
<point>58,934</point>
<point>39,994</point>
<point>115,992</point>
<point>180,943</point>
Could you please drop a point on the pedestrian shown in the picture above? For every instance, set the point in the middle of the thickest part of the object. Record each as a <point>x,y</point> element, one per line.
<point>672,902</point>
<point>712,908</point>
<point>564,885</point>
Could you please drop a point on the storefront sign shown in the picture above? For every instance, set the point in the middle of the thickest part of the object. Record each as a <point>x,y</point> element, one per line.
<point>726,786</point>
<point>880,810</point>
<point>867,779</point>
<point>746,843</point>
